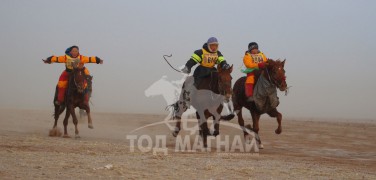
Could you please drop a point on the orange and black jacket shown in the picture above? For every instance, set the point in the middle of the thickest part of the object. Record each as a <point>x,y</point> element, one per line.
<point>68,60</point>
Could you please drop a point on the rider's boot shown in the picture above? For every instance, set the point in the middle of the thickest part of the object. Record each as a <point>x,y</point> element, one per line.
<point>249,92</point>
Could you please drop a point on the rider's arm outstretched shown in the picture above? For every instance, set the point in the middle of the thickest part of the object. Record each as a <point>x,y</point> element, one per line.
<point>56,59</point>
<point>63,59</point>
<point>92,59</point>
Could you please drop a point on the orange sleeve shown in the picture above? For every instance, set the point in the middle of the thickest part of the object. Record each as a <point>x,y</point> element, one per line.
<point>85,59</point>
<point>59,59</point>
<point>248,62</point>
<point>264,57</point>
<point>87,72</point>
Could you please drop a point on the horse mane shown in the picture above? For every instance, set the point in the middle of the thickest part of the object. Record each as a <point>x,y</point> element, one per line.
<point>273,62</point>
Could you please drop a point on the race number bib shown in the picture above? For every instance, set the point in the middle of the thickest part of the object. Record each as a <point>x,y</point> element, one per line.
<point>69,62</point>
<point>209,59</point>
<point>257,58</point>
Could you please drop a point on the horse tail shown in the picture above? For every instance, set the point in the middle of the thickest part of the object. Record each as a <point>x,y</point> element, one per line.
<point>56,93</point>
<point>174,109</point>
<point>58,110</point>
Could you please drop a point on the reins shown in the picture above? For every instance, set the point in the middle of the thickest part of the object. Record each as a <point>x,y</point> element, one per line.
<point>273,82</point>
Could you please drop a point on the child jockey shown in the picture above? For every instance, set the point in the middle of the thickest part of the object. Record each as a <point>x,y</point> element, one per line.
<point>71,54</point>
<point>253,60</point>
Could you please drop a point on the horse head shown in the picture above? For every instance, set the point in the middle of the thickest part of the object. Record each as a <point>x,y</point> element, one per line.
<point>78,76</point>
<point>224,81</point>
<point>277,73</point>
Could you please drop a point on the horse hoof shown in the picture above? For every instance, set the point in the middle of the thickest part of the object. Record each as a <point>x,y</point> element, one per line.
<point>261,146</point>
<point>77,136</point>
<point>215,133</point>
<point>278,131</point>
<point>55,132</point>
<point>175,133</point>
<point>66,136</point>
<point>90,126</point>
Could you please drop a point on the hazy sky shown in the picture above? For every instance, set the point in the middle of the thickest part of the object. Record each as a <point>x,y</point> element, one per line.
<point>329,46</point>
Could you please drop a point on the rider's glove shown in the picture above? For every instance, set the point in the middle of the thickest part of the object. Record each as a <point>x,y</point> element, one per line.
<point>48,60</point>
<point>99,60</point>
<point>186,70</point>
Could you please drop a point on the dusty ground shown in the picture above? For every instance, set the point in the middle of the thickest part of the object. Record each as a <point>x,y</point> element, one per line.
<point>304,150</point>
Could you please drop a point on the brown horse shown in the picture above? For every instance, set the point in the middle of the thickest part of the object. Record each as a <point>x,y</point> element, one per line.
<point>78,94</point>
<point>206,97</point>
<point>275,74</point>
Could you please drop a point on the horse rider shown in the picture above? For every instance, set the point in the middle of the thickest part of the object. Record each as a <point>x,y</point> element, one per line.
<point>207,57</point>
<point>253,60</point>
<point>71,54</point>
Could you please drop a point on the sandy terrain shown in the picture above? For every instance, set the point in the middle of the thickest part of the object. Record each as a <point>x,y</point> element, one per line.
<point>304,150</point>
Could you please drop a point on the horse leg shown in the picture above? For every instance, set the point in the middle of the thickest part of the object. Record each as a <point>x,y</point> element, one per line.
<point>65,122</point>
<point>177,126</point>
<point>85,105</point>
<point>82,113</point>
<point>89,120</point>
<point>275,113</point>
<point>56,115</point>
<point>58,110</point>
<point>216,117</point>
<point>54,131</point>
<point>75,122</point>
<point>239,113</point>
<point>256,128</point>
<point>199,124</point>
<point>245,130</point>
<point>204,130</point>
<point>179,108</point>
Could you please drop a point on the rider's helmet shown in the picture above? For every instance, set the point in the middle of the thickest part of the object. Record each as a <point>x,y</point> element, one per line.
<point>252,45</point>
<point>212,41</point>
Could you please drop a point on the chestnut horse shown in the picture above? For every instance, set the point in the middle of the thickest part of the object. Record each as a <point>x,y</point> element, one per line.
<point>77,95</point>
<point>206,97</point>
<point>274,73</point>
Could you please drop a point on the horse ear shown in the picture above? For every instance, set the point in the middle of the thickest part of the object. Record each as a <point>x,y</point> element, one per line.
<point>283,63</point>
<point>232,65</point>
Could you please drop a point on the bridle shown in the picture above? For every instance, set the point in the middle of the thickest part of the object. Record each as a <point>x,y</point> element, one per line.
<point>74,78</point>
<point>272,79</point>
<point>275,82</point>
